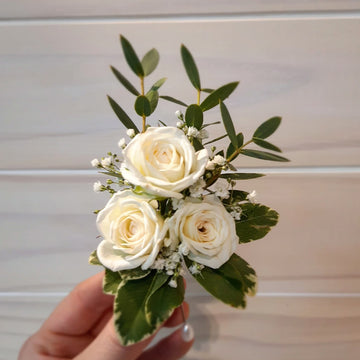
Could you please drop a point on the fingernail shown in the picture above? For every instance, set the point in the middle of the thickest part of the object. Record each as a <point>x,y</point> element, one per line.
<point>187,333</point>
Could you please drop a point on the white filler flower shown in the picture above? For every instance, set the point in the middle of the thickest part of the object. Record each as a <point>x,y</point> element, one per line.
<point>133,232</point>
<point>163,162</point>
<point>207,229</point>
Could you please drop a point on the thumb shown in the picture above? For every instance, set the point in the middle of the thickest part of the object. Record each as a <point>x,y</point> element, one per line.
<point>107,346</point>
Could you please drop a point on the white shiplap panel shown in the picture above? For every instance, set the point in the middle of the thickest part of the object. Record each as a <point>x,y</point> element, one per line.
<point>48,231</point>
<point>54,113</point>
<point>270,328</point>
<point>68,8</point>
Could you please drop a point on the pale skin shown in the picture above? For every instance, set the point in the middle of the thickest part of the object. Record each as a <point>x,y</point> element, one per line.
<point>81,328</point>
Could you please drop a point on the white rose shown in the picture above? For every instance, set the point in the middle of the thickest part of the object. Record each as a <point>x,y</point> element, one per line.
<point>133,232</point>
<point>163,162</point>
<point>207,230</point>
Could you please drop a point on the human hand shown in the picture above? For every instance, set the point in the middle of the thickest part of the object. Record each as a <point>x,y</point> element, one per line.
<point>81,328</point>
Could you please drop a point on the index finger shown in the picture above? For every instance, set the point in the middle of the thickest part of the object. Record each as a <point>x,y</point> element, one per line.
<point>81,309</point>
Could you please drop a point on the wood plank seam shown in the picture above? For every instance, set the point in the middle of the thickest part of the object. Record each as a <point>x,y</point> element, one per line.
<point>236,16</point>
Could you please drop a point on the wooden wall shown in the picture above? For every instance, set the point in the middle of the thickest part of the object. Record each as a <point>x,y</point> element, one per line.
<point>298,59</point>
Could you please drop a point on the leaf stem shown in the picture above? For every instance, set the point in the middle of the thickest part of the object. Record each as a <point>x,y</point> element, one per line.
<point>198,97</point>
<point>238,150</point>
<point>143,93</point>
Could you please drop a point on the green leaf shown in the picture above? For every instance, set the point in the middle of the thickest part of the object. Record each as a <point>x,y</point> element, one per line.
<point>229,125</point>
<point>267,128</point>
<point>207,90</point>
<point>217,139</point>
<point>134,274</point>
<point>194,116</point>
<point>231,148</point>
<point>236,196</point>
<point>93,259</point>
<point>197,144</point>
<point>263,155</point>
<point>142,106</point>
<point>124,81</point>
<point>111,282</point>
<point>171,99</point>
<point>256,221</point>
<point>131,57</point>
<point>221,93</point>
<point>121,114</point>
<point>241,176</point>
<point>230,283</point>
<point>190,67</point>
<point>265,144</point>
<point>153,97</point>
<point>130,319</point>
<point>150,61</point>
<point>158,84</point>
<point>164,300</point>
<point>221,153</point>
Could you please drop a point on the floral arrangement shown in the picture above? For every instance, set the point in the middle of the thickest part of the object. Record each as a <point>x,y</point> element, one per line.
<point>174,204</point>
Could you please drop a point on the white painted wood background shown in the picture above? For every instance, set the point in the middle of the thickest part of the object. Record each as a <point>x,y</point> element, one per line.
<point>298,59</point>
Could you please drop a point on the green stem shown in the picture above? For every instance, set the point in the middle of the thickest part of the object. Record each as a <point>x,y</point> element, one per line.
<point>198,97</point>
<point>143,93</point>
<point>238,150</point>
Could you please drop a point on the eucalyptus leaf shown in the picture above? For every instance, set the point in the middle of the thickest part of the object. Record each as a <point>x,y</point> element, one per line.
<point>121,114</point>
<point>256,221</point>
<point>265,144</point>
<point>93,259</point>
<point>230,283</point>
<point>150,61</point>
<point>267,128</point>
<point>229,125</point>
<point>131,57</point>
<point>231,167</point>
<point>153,97</point>
<point>263,155</point>
<point>197,144</point>
<point>162,302</point>
<point>221,93</point>
<point>125,82</point>
<point>207,90</point>
<point>158,84</point>
<point>190,67</point>
<point>171,99</point>
<point>142,106</point>
<point>231,148</point>
<point>111,282</point>
<point>241,176</point>
<point>194,116</point>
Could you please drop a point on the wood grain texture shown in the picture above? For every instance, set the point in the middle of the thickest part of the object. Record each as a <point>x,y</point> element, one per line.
<point>54,112</point>
<point>270,328</point>
<point>68,8</point>
<point>48,231</point>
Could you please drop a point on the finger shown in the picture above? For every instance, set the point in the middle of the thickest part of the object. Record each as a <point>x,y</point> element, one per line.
<point>107,346</point>
<point>177,317</point>
<point>81,309</point>
<point>172,347</point>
